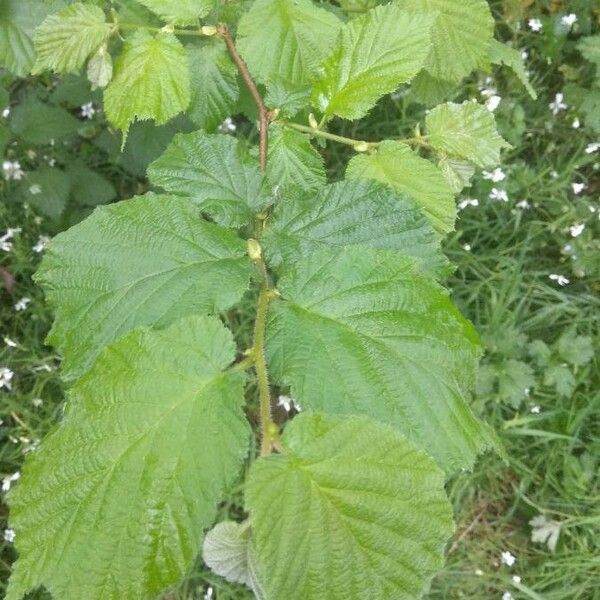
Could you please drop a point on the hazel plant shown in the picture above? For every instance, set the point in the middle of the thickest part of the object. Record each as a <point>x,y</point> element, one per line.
<point>346,500</point>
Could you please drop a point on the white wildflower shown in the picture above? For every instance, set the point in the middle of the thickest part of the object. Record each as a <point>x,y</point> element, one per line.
<point>41,244</point>
<point>12,170</point>
<point>560,279</point>
<point>516,579</point>
<point>227,126</point>
<point>468,202</point>
<point>6,112</point>
<point>467,247</point>
<point>524,54</point>
<point>569,20</point>
<point>535,410</point>
<point>478,572</point>
<point>498,194</point>
<point>31,154</point>
<point>9,535</point>
<point>10,342</point>
<point>88,111</point>
<point>558,104</point>
<point>524,204</point>
<point>577,229</point>
<point>593,147</point>
<point>578,188</point>
<point>37,402</point>
<point>507,596</point>
<point>6,376</point>
<point>35,189</point>
<point>507,558</point>
<point>496,175</point>
<point>576,123</point>
<point>288,404</point>
<point>545,531</point>
<point>493,102</point>
<point>535,24</point>
<point>22,304</point>
<point>209,593</point>
<point>8,481</point>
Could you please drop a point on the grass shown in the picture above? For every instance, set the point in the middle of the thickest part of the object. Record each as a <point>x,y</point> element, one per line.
<point>538,335</point>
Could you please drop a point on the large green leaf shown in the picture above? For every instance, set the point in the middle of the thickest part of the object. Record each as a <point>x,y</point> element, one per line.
<point>352,213</point>
<point>47,189</point>
<point>375,53</point>
<point>501,54</point>
<point>214,85</point>
<point>388,343</point>
<point>114,503</point>
<point>38,123</point>
<point>151,81</point>
<point>466,131</point>
<point>350,510</point>
<point>65,40</point>
<point>215,172</point>
<point>179,12</point>
<point>286,39</point>
<point>460,36</point>
<point>18,20</point>
<point>146,261</point>
<point>397,165</point>
<point>294,163</point>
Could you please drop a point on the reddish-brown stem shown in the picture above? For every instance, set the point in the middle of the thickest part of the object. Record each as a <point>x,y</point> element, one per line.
<point>263,112</point>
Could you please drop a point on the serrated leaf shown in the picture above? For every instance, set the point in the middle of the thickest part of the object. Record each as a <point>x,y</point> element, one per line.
<point>287,98</point>
<point>501,54</point>
<point>100,68</point>
<point>577,350</point>
<point>114,503</point>
<point>460,36</point>
<point>215,173</point>
<point>146,261</point>
<point>65,40</point>
<point>89,188</point>
<point>388,342</point>
<point>561,378</point>
<point>293,162</point>
<point>590,48</point>
<point>375,53</point>
<point>457,172</point>
<point>47,189</point>
<point>466,131</point>
<point>286,39</point>
<point>151,81</point>
<point>179,12</point>
<point>214,86</point>
<point>350,510</point>
<point>39,123</point>
<point>515,379</point>
<point>397,165</point>
<point>430,90</point>
<point>352,213</point>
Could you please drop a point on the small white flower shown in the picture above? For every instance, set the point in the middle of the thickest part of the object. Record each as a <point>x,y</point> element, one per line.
<point>288,404</point>
<point>37,402</point>
<point>554,174</point>
<point>6,376</point>
<point>468,202</point>
<point>8,481</point>
<point>576,123</point>
<point>558,104</point>
<point>507,558</point>
<point>227,126</point>
<point>467,247</point>
<point>493,102</point>
<point>578,188</point>
<point>545,531</point>
<point>6,246</point>
<point>498,194</point>
<point>535,24</point>
<point>496,175</point>
<point>524,204</point>
<point>577,229</point>
<point>535,410</point>
<point>516,579</point>
<point>524,54</point>
<point>560,279</point>
<point>507,596</point>
<point>51,162</point>
<point>569,20</point>
<point>41,244</point>
<point>12,170</point>
<point>35,189</point>
<point>22,303</point>
<point>593,147</point>
<point>31,154</point>
<point>9,342</point>
<point>209,593</point>
<point>6,112</point>
<point>9,535</point>
<point>88,111</point>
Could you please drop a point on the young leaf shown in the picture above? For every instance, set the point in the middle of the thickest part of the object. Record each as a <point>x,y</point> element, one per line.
<point>466,131</point>
<point>389,344</point>
<point>375,53</point>
<point>350,510</point>
<point>146,261</point>
<point>501,54</point>
<point>100,68</point>
<point>352,213</point>
<point>151,81</point>
<point>460,36</point>
<point>293,162</point>
<point>114,503</point>
<point>397,165</point>
<point>47,190</point>
<point>179,12</point>
<point>215,173</point>
<point>214,86</point>
<point>286,39</point>
<point>65,40</point>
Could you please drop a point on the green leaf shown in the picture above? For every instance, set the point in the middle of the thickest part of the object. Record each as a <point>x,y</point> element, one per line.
<point>577,350</point>
<point>431,91</point>
<point>47,190</point>
<point>590,48</point>
<point>65,40</point>
<point>457,172</point>
<point>293,162</point>
<point>388,342</point>
<point>501,54</point>
<point>286,98</point>
<point>466,131</point>
<point>179,12</point>
<point>151,81</point>
<point>214,85</point>
<point>397,165</point>
<point>38,123</point>
<point>561,378</point>
<point>146,261</point>
<point>100,68</point>
<point>461,35</point>
<point>350,510</point>
<point>515,378</point>
<point>353,213</point>
<point>215,173</point>
<point>114,503</point>
<point>375,53</point>
<point>18,20</point>
<point>286,39</point>
<point>89,187</point>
